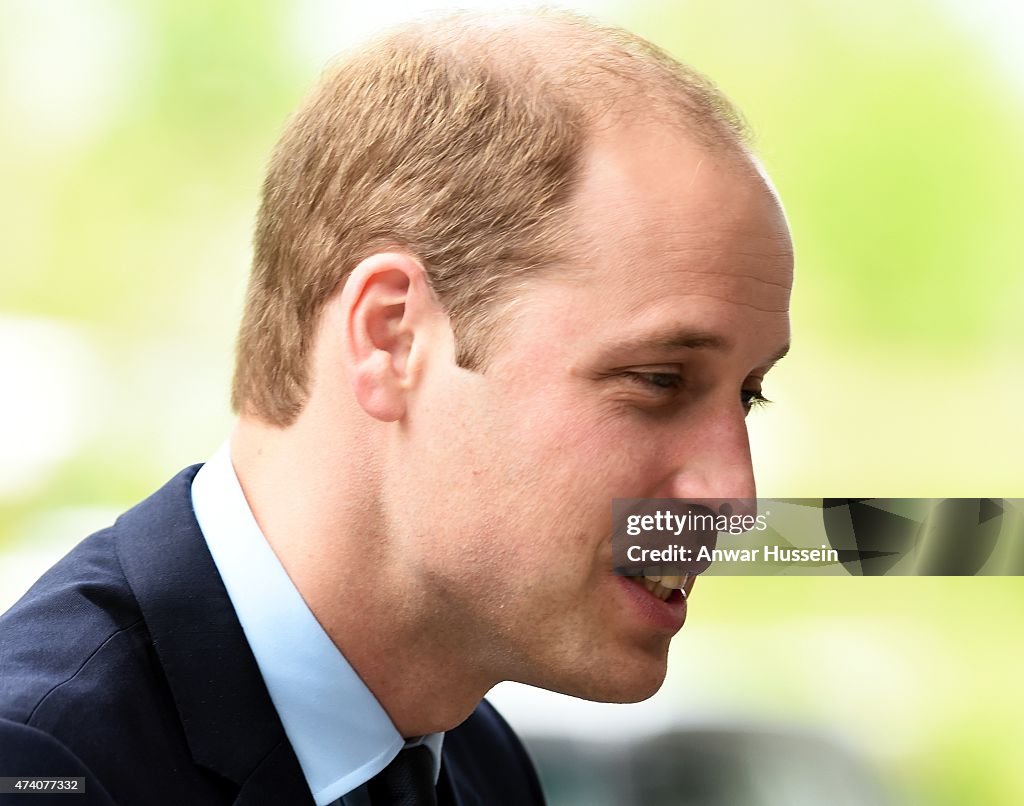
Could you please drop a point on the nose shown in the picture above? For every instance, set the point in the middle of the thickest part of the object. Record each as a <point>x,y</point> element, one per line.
<point>712,466</point>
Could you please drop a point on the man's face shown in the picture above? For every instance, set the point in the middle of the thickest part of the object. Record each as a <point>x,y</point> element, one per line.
<point>627,377</point>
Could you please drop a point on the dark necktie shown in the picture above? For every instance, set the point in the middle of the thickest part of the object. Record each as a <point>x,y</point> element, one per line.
<point>406,781</point>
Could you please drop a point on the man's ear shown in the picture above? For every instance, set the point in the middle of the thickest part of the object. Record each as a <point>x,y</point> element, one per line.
<point>385,306</point>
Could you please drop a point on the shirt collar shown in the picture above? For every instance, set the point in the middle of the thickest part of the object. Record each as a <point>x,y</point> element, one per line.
<point>341,735</point>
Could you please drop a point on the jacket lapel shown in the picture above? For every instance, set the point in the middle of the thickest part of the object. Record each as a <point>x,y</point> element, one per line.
<point>454,788</point>
<point>228,718</point>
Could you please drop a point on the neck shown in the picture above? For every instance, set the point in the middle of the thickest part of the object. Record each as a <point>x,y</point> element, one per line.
<point>331,538</point>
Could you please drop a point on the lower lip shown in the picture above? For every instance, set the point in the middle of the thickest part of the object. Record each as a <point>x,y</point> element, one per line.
<point>667,616</point>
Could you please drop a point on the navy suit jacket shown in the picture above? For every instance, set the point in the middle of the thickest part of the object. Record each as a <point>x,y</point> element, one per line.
<point>126,665</point>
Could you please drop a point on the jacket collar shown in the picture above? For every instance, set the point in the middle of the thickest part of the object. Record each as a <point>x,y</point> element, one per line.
<point>228,718</point>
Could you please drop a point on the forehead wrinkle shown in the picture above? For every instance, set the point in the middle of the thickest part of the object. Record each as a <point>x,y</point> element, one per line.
<point>664,273</point>
<point>777,246</point>
<point>740,275</point>
<point>751,220</point>
<point>733,301</point>
<point>678,257</point>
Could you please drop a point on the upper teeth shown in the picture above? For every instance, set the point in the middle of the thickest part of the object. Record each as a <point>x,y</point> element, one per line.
<point>662,586</point>
<point>669,581</point>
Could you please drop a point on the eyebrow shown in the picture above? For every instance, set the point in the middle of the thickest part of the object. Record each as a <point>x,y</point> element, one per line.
<point>674,339</point>
<point>682,339</point>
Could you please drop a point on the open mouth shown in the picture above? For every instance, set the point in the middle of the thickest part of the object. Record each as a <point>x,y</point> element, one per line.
<point>666,588</point>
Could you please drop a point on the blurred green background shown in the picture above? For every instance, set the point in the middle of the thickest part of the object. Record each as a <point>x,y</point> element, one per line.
<point>133,137</point>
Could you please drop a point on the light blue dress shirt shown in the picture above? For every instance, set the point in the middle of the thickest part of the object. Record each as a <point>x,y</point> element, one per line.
<point>341,735</point>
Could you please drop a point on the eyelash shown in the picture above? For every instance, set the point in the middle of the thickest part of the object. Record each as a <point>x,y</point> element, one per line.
<point>751,398</point>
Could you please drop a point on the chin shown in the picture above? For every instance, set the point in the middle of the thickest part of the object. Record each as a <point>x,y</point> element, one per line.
<point>623,691</point>
<point>622,682</point>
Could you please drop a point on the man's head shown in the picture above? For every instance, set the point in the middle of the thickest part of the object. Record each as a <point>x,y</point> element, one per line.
<point>506,273</point>
<point>460,142</point>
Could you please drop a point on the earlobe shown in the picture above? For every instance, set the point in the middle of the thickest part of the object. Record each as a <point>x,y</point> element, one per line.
<point>375,389</point>
<point>379,314</point>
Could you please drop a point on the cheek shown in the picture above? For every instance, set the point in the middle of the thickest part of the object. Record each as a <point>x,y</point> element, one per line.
<point>571,454</point>
<point>520,486</point>
<point>525,478</point>
<point>601,453</point>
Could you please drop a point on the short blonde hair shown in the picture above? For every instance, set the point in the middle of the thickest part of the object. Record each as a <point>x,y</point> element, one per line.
<point>459,141</point>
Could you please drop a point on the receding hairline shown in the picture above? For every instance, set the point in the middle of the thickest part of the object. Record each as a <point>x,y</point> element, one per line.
<point>624,78</point>
<point>617,73</point>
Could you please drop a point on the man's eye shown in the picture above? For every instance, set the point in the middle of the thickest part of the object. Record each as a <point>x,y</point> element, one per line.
<point>660,382</point>
<point>752,398</point>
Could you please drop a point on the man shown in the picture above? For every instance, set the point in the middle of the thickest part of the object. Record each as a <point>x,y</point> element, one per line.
<point>506,269</point>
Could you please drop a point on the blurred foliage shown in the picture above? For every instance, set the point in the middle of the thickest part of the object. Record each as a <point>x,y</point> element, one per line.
<point>131,151</point>
<point>920,673</point>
